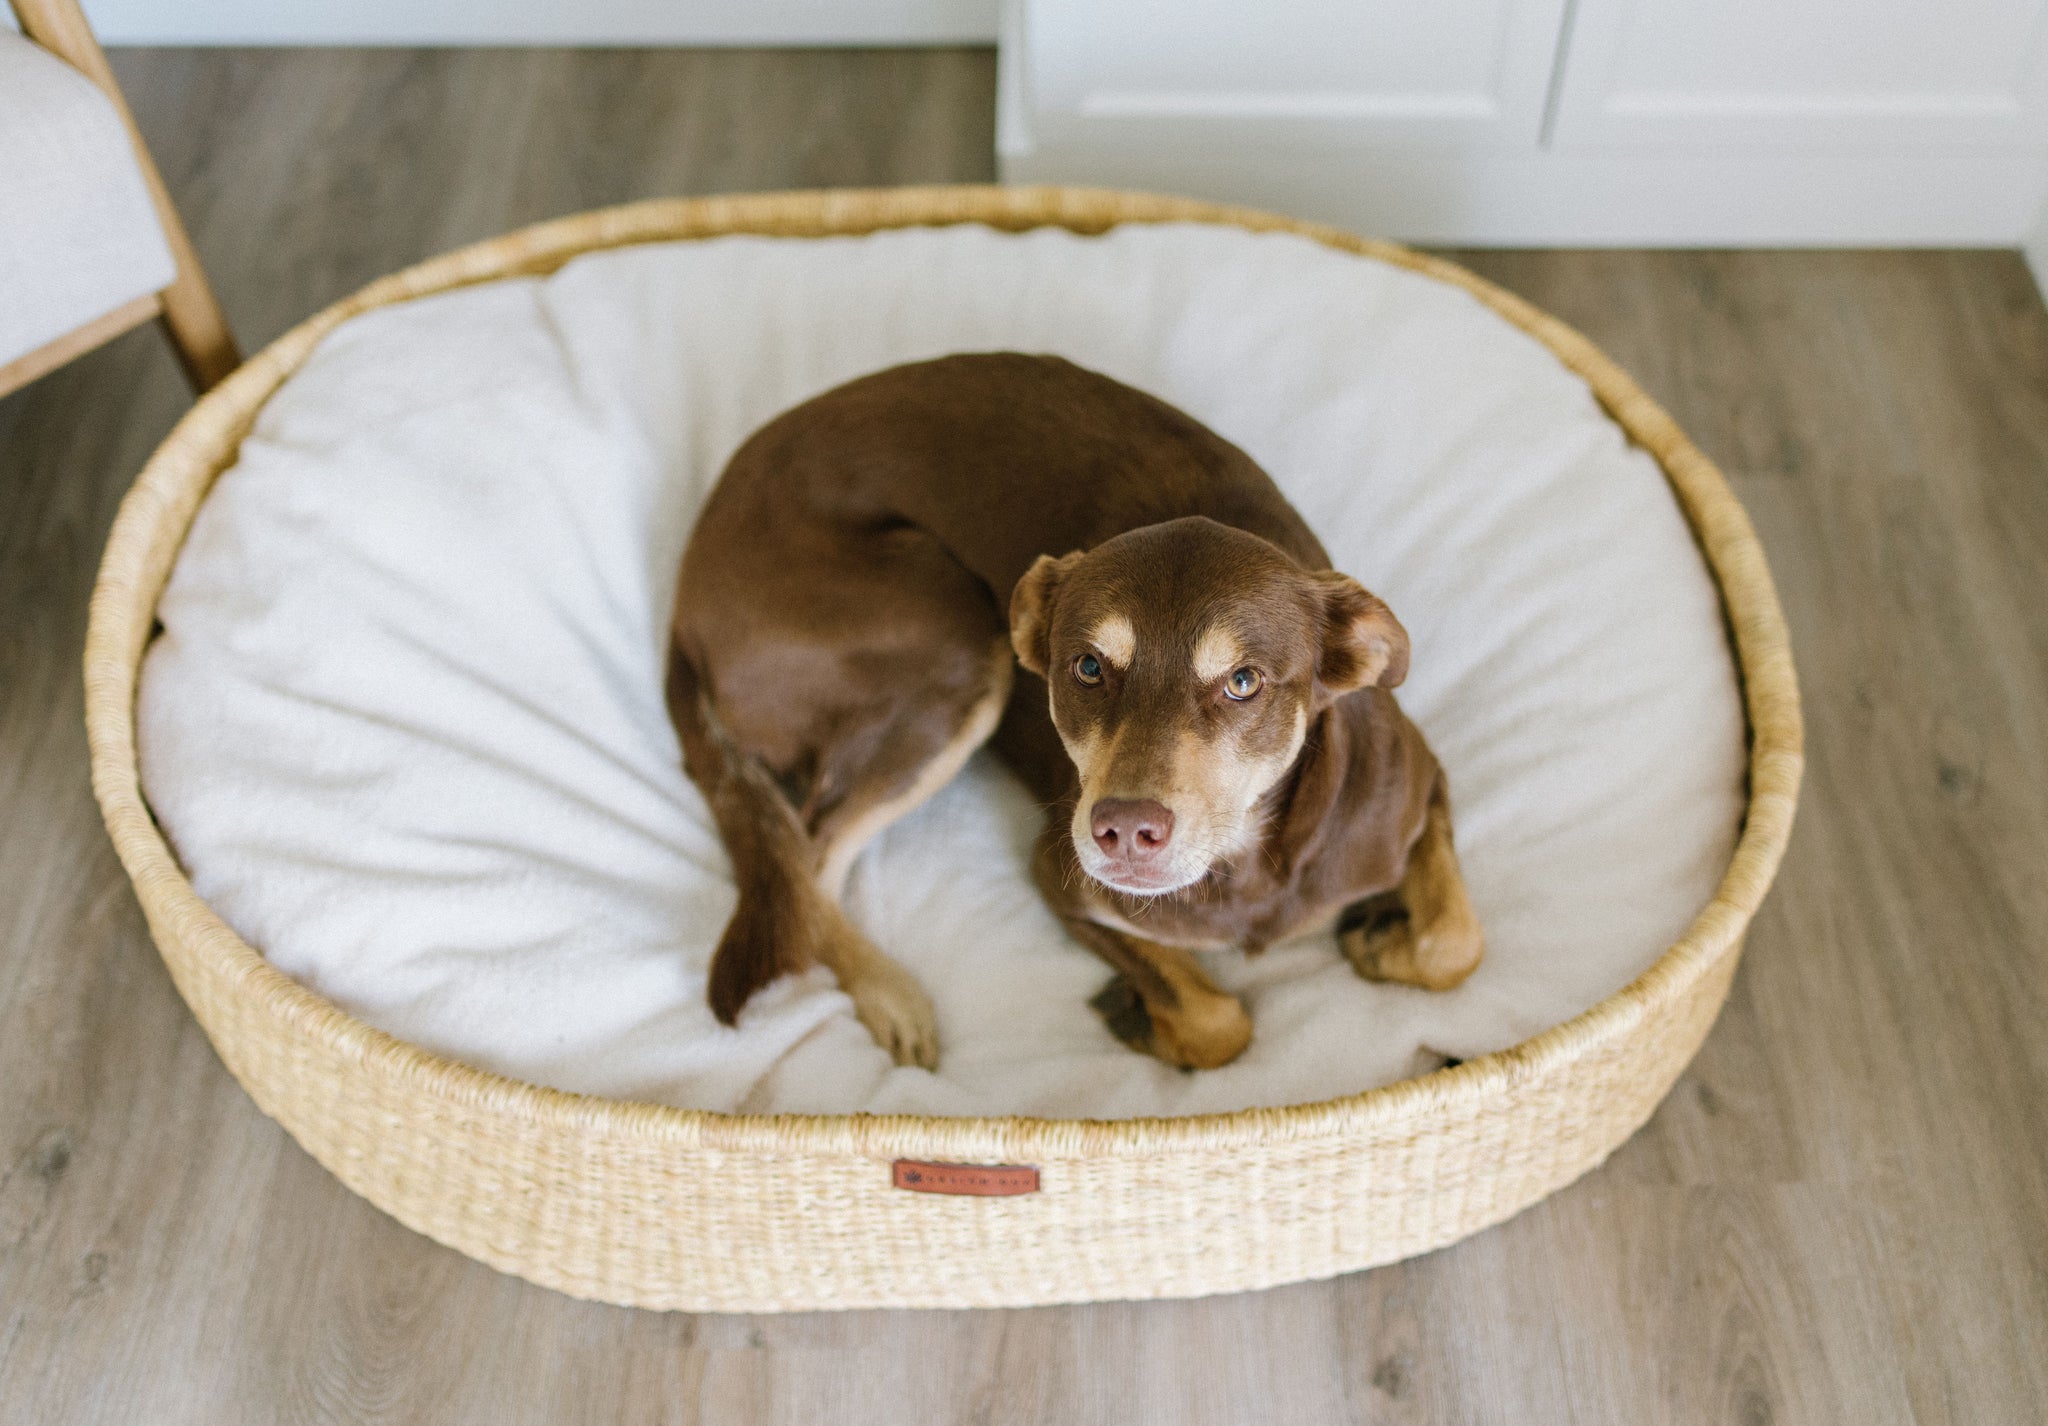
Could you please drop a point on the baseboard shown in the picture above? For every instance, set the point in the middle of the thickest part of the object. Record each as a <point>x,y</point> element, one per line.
<point>1974,198</point>
<point>544,22</point>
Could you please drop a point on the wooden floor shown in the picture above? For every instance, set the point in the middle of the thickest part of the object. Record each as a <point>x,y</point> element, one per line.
<point>1840,1215</point>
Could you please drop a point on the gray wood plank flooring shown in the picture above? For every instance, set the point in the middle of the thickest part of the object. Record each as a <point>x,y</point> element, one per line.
<point>1840,1215</point>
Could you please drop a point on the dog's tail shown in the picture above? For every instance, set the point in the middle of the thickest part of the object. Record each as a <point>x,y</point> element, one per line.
<point>781,911</point>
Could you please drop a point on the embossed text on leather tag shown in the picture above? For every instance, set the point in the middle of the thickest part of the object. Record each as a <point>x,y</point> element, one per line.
<point>981,1180</point>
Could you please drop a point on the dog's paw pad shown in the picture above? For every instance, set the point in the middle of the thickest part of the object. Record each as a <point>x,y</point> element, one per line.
<point>1374,916</point>
<point>1123,1010</point>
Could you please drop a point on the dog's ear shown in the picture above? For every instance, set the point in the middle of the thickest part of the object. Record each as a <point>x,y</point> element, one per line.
<point>1031,609</point>
<point>1363,643</point>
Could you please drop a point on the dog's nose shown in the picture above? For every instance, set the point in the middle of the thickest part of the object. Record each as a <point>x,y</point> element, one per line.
<point>1131,829</point>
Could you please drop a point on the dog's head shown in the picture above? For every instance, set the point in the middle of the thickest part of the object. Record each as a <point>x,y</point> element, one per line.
<point>1185,662</point>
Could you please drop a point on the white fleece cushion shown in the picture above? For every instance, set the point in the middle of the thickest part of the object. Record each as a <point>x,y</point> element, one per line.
<point>405,723</point>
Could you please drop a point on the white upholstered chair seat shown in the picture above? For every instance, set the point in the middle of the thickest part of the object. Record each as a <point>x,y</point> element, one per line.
<point>78,234</point>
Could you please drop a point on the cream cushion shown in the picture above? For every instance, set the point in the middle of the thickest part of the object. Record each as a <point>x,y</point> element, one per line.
<point>78,234</point>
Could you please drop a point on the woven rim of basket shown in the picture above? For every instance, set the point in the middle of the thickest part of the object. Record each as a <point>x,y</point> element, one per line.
<point>156,514</point>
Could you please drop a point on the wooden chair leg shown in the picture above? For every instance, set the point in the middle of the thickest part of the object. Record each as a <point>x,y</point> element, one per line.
<point>192,317</point>
<point>197,327</point>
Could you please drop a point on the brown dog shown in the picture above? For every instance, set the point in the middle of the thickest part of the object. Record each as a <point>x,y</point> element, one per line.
<point>1204,706</point>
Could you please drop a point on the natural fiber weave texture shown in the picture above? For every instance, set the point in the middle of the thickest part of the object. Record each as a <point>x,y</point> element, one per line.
<point>675,1208</point>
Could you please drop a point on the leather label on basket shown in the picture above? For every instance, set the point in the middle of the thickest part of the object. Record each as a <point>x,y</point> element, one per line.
<point>981,1180</point>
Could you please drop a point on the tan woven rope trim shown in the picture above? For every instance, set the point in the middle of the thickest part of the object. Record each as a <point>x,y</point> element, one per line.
<point>1459,1143</point>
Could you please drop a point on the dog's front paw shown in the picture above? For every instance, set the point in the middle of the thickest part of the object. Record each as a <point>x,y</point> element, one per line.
<point>1378,938</point>
<point>898,1013</point>
<point>1123,1011</point>
<point>1204,1032</point>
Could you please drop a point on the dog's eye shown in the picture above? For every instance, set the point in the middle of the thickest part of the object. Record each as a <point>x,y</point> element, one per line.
<point>1088,670</point>
<point>1243,684</point>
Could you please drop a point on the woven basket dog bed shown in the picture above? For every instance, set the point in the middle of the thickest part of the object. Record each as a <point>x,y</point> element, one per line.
<point>672,1208</point>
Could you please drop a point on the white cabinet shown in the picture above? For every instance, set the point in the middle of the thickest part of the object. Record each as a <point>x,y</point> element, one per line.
<point>1774,73</point>
<point>1550,121</point>
<point>1450,70</point>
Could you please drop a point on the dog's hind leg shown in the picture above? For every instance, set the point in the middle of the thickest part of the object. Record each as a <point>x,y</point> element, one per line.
<point>913,759</point>
<point>1424,932</point>
<point>783,920</point>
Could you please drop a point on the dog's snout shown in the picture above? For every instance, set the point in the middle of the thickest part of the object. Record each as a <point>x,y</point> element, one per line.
<point>1131,829</point>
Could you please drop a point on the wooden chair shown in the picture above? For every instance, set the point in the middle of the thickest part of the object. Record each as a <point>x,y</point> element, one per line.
<point>191,317</point>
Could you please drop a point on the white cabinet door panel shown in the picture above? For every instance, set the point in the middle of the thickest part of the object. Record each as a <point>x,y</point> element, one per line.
<point>1803,72</point>
<point>1379,70</point>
